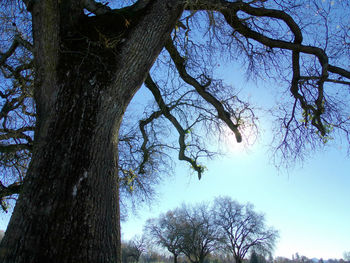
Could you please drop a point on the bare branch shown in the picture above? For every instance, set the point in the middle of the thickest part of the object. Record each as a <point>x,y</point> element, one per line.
<point>222,113</point>
<point>9,190</point>
<point>14,147</point>
<point>182,132</point>
<point>17,41</point>
<point>96,8</point>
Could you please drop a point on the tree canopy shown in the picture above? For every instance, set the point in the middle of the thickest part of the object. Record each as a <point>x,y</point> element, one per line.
<point>242,228</point>
<point>226,226</point>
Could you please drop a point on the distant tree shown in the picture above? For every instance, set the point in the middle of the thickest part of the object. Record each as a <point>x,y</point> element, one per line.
<point>302,259</point>
<point>253,258</point>
<point>132,250</point>
<point>283,260</point>
<point>257,258</point>
<point>187,230</point>
<point>198,231</point>
<point>154,256</point>
<point>296,257</point>
<point>242,229</point>
<point>270,258</point>
<point>346,255</point>
<point>165,231</point>
<point>140,244</point>
<point>126,252</point>
<point>219,256</point>
<point>305,259</point>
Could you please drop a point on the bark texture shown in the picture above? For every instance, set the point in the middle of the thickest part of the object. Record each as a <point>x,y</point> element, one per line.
<point>88,69</point>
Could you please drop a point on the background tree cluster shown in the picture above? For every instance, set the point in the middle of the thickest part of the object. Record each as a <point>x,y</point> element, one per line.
<point>197,231</point>
<point>297,258</point>
<point>133,249</point>
<point>153,254</point>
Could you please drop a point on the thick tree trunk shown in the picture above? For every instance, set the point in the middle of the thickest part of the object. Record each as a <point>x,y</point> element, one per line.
<point>69,208</point>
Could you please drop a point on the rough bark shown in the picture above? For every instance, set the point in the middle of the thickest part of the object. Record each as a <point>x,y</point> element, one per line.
<point>68,210</point>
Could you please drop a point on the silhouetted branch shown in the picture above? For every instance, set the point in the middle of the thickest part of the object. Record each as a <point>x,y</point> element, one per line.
<point>9,190</point>
<point>181,131</point>
<point>201,89</point>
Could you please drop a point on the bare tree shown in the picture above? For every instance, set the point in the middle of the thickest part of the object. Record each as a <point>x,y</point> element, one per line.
<point>17,110</point>
<point>133,249</point>
<point>71,68</point>
<point>165,232</point>
<point>198,232</point>
<point>346,256</point>
<point>242,229</point>
<point>187,230</point>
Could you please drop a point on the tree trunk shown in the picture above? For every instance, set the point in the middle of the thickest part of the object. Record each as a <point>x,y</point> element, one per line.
<point>238,260</point>
<point>175,258</point>
<point>68,210</point>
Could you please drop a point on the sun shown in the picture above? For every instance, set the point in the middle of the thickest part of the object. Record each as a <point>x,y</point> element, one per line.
<point>229,143</point>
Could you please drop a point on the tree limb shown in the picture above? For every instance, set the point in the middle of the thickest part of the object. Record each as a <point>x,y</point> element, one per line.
<point>201,89</point>
<point>151,85</point>
<point>96,8</point>
<point>12,189</point>
<point>14,147</point>
<point>17,41</point>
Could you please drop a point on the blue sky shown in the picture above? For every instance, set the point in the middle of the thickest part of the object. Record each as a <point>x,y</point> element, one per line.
<point>308,204</point>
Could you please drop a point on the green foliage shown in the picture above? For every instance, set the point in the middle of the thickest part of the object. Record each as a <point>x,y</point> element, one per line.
<point>130,177</point>
<point>4,205</point>
<point>328,128</point>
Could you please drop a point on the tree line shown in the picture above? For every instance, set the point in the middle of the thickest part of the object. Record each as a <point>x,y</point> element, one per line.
<point>198,231</point>
<point>297,258</point>
<point>142,249</point>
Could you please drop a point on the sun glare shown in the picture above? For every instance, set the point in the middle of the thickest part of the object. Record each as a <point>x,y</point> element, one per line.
<point>230,144</point>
